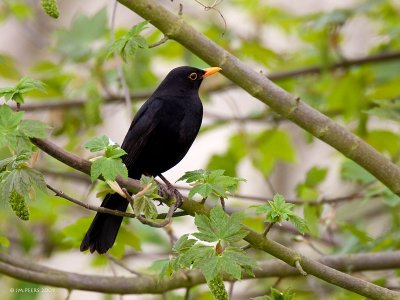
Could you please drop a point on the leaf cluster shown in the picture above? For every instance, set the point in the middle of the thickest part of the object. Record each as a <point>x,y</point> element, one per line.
<point>278,210</point>
<point>110,165</point>
<point>211,182</point>
<point>129,43</point>
<point>143,201</point>
<point>18,182</point>
<point>15,132</point>
<point>213,261</point>
<point>25,85</point>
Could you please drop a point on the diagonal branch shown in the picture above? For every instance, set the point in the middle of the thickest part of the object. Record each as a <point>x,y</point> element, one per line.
<point>289,106</point>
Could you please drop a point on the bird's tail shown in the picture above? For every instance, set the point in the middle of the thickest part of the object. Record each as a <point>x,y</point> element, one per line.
<point>104,229</point>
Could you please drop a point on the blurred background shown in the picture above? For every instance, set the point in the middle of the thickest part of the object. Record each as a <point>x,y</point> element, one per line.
<point>341,57</point>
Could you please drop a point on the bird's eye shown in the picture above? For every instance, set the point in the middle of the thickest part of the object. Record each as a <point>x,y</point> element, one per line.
<point>193,76</point>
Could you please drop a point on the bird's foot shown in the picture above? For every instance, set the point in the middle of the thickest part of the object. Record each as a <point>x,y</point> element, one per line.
<point>173,192</point>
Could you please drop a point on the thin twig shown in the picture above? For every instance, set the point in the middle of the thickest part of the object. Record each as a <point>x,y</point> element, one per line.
<point>170,232</point>
<point>106,210</point>
<point>120,71</point>
<point>231,286</point>
<point>244,248</point>
<point>69,292</point>
<point>160,42</point>
<point>222,200</point>
<point>89,206</point>
<point>278,281</point>
<point>209,7</point>
<point>267,228</point>
<point>117,262</point>
<point>299,268</point>
<point>312,246</point>
<point>187,293</point>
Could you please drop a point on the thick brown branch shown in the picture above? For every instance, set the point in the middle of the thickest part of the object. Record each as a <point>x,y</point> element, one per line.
<point>78,163</point>
<point>24,269</point>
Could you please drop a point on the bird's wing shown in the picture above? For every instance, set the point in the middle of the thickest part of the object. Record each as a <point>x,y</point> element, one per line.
<point>141,128</point>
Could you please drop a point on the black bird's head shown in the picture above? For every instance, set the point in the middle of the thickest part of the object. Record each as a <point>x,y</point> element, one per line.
<point>185,80</point>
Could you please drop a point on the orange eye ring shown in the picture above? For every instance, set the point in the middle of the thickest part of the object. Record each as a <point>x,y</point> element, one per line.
<point>193,76</point>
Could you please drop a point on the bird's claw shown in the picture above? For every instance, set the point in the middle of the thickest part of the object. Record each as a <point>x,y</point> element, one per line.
<point>179,199</point>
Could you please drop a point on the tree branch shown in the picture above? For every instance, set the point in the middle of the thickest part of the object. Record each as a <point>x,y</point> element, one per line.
<point>269,93</point>
<point>91,207</point>
<point>24,269</point>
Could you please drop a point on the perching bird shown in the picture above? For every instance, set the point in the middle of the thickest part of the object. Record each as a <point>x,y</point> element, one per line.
<point>159,137</point>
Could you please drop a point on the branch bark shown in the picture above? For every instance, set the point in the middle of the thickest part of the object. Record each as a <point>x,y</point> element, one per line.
<point>24,269</point>
<point>289,106</point>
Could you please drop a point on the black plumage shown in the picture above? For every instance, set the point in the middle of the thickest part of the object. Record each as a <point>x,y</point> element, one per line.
<point>159,137</point>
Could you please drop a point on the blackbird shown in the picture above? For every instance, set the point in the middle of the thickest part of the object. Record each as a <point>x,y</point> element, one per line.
<point>159,137</point>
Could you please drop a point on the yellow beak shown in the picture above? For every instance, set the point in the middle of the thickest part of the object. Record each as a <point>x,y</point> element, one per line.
<point>210,71</point>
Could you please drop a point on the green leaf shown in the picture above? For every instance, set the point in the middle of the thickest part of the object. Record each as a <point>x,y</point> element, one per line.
<point>129,238</point>
<point>386,112</point>
<point>197,255</point>
<point>25,85</point>
<point>219,226</point>
<point>278,210</point>
<point>33,128</point>
<point>9,120</point>
<point>307,193</point>
<point>77,44</point>
<point>211,182</point>
<point>230,159</point>
<point>97,143</point>
<point>361,235</point>
<point>152,190</point>
<point>183,244</point>
<point>204,190</point>
<point>5,162</point>
<point>109,168</point>
<point>8,68</point>
<point>390,198</point>
<point>74,233</point>
<point>22,11</point>
<point>192,176</point>
<point>114,152</point>
<point>4,241</point>
<point>353,172</point>
<point>311,215</point>
<point>384,141</point>
<point>233,261</point>
<point>298,222</point>
<point>315,176</point>
<point>22,180</point>
<point>128,44</point>
<point>146,206</point>
<point>269,147</point>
